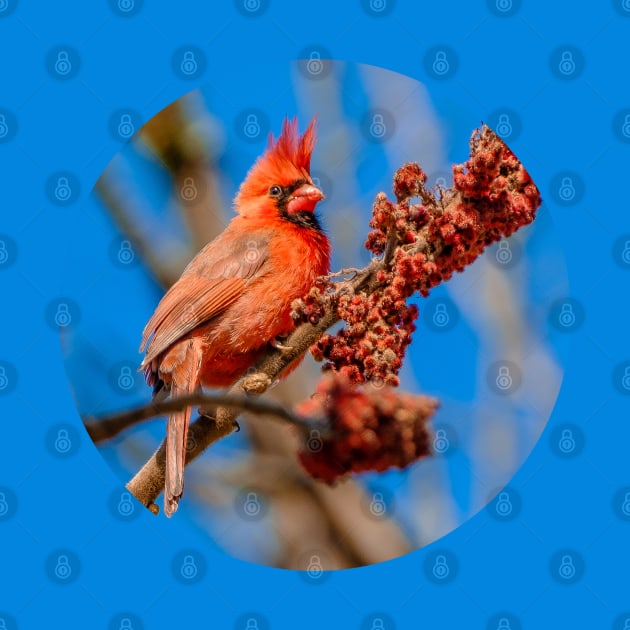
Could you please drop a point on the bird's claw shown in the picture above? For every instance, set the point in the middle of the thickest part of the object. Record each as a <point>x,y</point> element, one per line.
<point>277,344</point>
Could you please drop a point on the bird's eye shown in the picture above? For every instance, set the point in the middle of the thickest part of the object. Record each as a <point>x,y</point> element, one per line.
<point>275,191</point>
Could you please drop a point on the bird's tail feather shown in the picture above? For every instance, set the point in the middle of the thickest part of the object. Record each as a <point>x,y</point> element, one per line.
<point>185,381</point>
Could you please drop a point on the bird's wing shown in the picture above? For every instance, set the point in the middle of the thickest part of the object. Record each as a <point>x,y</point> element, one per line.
<point>213,280</point>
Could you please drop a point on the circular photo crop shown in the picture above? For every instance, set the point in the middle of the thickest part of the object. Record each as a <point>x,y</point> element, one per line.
<point>309,320</point>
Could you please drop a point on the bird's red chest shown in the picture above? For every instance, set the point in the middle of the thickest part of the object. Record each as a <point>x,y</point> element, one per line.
<point>236,340</point>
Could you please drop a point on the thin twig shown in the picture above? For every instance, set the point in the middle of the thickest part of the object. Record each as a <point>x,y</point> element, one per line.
<point>101,429</point>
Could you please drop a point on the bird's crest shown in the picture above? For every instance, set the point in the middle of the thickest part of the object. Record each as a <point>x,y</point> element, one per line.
<point>285,160</point>
<point>291,146</point>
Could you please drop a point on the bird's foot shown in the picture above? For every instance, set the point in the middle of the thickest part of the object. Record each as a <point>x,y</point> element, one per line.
<point>276,343</point>
<point>256,383</point>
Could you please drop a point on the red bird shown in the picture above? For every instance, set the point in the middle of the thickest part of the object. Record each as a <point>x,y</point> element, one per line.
<point>234,298</point>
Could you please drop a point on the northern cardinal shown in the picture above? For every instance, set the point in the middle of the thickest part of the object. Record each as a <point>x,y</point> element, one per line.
<point>234,298</point>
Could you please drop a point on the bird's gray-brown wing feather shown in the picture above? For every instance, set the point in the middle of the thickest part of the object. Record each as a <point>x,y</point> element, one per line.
<point>213,280</point>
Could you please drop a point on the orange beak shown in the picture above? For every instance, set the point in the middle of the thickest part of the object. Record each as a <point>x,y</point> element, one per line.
<point>304,198</point>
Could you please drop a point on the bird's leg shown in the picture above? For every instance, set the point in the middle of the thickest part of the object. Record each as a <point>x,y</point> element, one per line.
<point>211,415</point>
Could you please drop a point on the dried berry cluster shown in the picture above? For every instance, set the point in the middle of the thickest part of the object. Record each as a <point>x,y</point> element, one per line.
<point>419,245</point>
<point>370,428</point>
<point>314,305</point>
<point>492,196</point>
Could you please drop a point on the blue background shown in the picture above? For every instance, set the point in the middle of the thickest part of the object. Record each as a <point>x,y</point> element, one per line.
<point>61,505</point>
